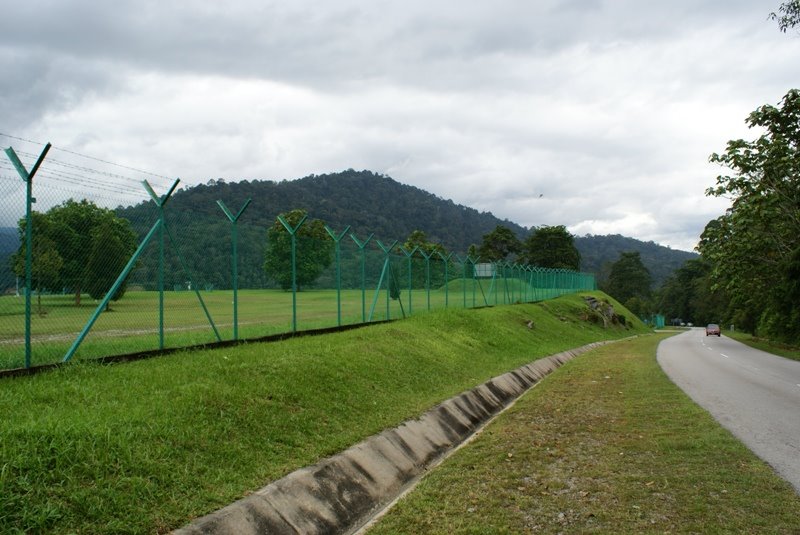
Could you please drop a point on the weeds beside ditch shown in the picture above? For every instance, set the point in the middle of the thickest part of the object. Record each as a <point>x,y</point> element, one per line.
<point>607,444</point>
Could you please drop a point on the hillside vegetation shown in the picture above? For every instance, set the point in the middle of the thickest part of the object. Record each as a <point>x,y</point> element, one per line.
<point>369,203</point>
<point>597,252</point>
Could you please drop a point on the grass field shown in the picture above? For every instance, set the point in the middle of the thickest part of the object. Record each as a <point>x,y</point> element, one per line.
<point>144,447</point>
<point>607,444</point>
<point>132,323</point>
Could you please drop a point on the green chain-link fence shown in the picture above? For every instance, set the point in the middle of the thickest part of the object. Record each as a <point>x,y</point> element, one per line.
<point>95,261</point>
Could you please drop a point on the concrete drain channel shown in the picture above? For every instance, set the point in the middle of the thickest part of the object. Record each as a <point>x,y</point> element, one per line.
<point>342,493</point>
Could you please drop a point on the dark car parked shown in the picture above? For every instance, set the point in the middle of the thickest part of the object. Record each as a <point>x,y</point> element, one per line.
<point>713,329</point>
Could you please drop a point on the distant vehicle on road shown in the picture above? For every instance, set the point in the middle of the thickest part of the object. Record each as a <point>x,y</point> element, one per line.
<point>713,329</point>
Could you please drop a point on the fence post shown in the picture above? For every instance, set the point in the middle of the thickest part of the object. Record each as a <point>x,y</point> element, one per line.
<point>474,276</point>
<point>293,233</point>
<point>463,278</point>
<point>336,239</point>
<point>386,251</point>
<point>234,219</point>
<point>530,290</point>
<point>27,177</point>
<point>362,247</point>
<point>446,284</point>
<point>408,256</point>
<point>160,202</point>
<point>102,306</point>
<point>427,258</point>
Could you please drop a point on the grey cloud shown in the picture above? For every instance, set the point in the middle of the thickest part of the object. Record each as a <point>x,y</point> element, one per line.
<point>302,42</point>
<point>595,104</point>
<point>33,85</point>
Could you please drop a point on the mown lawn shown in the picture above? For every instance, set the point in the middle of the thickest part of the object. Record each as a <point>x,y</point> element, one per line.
<point>132,323</point>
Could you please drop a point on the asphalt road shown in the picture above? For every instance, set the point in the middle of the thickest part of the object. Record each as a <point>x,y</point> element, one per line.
<point>755,395</point>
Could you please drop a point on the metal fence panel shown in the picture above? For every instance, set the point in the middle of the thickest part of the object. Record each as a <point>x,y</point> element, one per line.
<point>102,285</point>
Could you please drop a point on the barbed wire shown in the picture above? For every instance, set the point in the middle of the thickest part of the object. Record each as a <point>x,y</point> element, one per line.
<point>73,174</point>
<point>75,153</point>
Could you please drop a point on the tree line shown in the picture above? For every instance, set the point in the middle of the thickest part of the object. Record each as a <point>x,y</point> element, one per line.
<point>749,271</point>
<point>78,247</point>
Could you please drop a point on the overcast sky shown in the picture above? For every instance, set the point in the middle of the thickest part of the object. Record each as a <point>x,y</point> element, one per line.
<point>598,115</point>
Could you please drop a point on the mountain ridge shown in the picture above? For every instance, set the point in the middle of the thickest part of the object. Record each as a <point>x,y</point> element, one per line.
<point>372,203</point>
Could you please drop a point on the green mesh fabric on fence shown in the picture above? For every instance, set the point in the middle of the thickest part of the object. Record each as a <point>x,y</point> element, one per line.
<point>117,266</point>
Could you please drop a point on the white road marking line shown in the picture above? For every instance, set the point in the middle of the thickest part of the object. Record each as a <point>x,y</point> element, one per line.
<point>724,355</point>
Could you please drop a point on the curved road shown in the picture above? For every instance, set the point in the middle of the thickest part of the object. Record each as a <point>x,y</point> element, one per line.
<point>755,395</point>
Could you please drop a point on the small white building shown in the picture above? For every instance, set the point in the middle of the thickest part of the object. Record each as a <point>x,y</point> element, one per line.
<point>484,271</point>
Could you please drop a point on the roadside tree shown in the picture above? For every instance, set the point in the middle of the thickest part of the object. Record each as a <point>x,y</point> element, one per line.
<point>755,247</point>
<point>788,15</point>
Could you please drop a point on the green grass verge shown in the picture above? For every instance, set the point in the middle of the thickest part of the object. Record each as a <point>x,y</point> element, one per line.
<point>146,446</point>
<point>776,348</point>
<point>607,444</point>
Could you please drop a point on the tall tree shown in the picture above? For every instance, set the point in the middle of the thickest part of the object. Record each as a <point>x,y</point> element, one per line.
<point>314,250</point>
<point>72,224</point>
<point>754,247</point>
<point>46,262</point>
<point>113,244</point>
<point>788,15</point>
<point>629,278</point>
<point>499,245</point>
<point>551,247</point>
<point>73,230</point>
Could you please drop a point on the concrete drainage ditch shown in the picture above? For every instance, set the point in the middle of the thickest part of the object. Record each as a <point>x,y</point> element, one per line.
<point>342,493</point>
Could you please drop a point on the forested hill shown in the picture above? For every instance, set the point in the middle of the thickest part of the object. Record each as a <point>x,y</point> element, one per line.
<point>598,252</point>
<point>368,202</point>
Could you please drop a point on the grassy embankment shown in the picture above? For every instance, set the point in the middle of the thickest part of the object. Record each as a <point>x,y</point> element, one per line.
<point>784,350</point>
<point>607,444</point>
<point>146,446</point>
